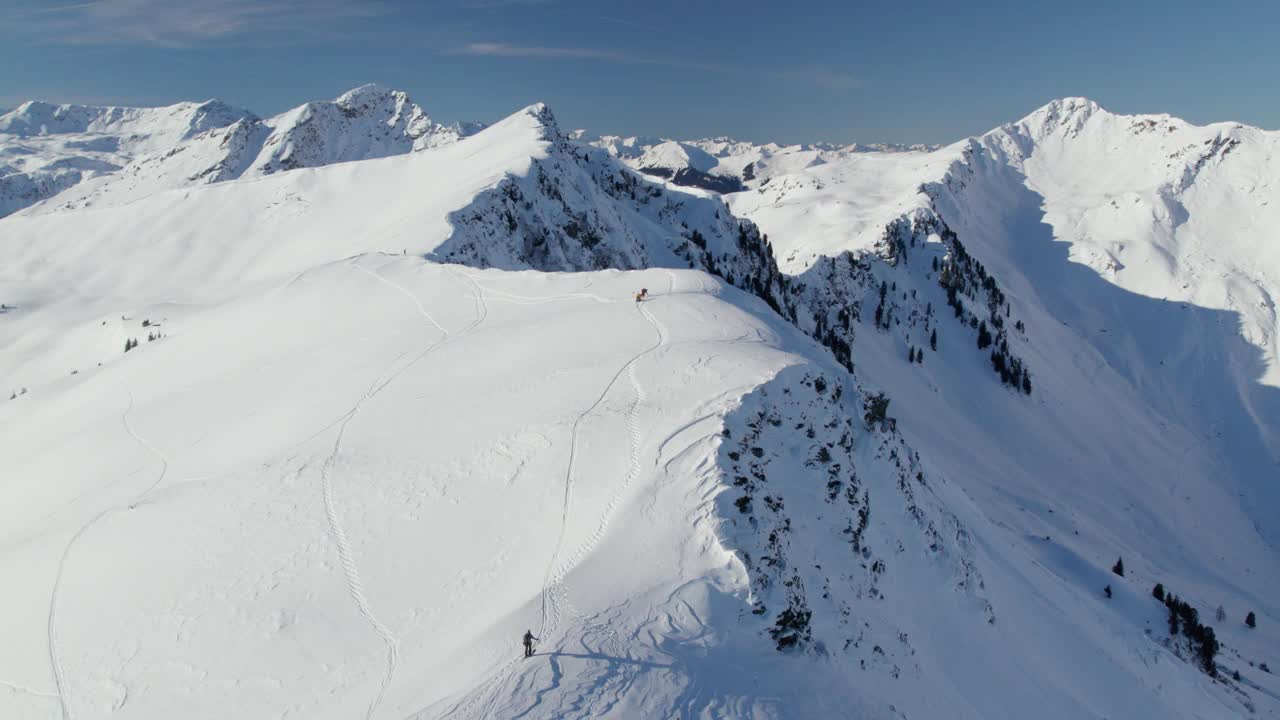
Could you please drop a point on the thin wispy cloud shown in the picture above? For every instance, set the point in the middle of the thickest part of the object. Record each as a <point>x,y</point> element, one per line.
<point>819,76</point>
<point>813,75</point>
<point>626,23</point>
<point>535,51</point>
<point>181,23</point>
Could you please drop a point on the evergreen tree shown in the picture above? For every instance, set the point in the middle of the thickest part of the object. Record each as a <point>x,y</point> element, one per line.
<point>1236,676</point>
<point>1118,568</point>
<point>1250,620</point>
<point>984,337</point>
<point>1107,590</point>
<point>933,340</point>
<point>1157,592</point>
<point>1208,649</point>
<point>877,409</point>
<point>1220,614</point>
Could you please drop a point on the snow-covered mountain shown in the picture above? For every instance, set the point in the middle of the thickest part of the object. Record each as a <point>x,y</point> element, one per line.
<point>360,425</point>
<point>45,149</point>
<point>725,165</point>
<point>84,156</point>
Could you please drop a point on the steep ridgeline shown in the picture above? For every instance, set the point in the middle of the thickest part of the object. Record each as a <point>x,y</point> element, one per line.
<point>577,209</point>
<point>367,122</point>
<point>908,302</point>
<point>213,143</point>
<point>803,470</point>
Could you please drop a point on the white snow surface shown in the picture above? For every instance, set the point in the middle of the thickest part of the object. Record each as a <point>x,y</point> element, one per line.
<point>345,477</point>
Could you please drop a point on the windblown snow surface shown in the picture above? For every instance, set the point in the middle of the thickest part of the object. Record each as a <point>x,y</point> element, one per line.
<point>385,416</point>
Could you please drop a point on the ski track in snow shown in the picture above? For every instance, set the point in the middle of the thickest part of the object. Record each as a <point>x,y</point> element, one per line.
<point>59,675</point>
<point>346,553</point>
<point>553,584</point>
<point>633,469</point>
<point>515,299</point>
<point>355,585</point>
<point>554,593</point>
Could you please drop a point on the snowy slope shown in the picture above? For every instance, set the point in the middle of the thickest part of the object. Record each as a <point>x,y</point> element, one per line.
<point>370,471</point>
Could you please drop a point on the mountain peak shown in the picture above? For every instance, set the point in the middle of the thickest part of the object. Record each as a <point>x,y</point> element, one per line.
<point>215,113</point>
<point>1072,104</point>
<point>540,112</point>
<point>1062,109</point>
<point>367,93</point>
<point>1068,114</point>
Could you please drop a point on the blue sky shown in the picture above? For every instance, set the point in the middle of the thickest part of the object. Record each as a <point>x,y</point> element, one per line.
<point>924,71</point>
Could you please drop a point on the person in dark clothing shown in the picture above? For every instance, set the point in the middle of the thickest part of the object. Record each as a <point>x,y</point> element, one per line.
<point>529,640</point>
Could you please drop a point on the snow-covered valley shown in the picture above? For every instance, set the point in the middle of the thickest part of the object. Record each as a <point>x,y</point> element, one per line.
<point>324,434</point>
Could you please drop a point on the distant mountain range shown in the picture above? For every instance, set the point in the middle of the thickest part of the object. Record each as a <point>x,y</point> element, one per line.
<point>95,155</point>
